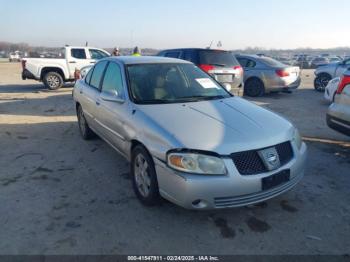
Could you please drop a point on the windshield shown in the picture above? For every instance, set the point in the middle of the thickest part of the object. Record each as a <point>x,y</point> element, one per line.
<point>172,83</point>
<point>272,62</point>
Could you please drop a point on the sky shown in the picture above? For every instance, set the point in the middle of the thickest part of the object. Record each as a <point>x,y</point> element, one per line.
<point>177,23</point>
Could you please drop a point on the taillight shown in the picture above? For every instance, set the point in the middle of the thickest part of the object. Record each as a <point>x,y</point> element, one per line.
<point>345,80</point>
<point>24,64</point>
<point>282,73</point>
<point>77,74</point>
<point>238,68</point>
<point>206,68</point>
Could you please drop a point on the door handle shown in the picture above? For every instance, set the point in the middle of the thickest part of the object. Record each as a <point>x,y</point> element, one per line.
<point>81,91</point>
<point>98,103</point>
<point>92,62</point>
<point>72,62</point>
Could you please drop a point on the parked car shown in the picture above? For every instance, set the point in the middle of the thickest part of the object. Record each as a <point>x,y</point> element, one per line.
<point>15,56</point>
<point>221,65</point>
<point>318,61</point>
<point>331,89</point>
<point>302,61</point>
<point>82,72</point>
<point>324,74</point>
<point>264,74</point>
<point>188,139</point>
<point>55,72</point>
<point>334,59</point>
<point>338,115</point>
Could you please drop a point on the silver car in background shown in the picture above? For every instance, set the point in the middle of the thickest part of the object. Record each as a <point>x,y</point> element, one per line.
<point>187,138</point>
<point>338,115</point>
<point>325,73</point>
<point>263,74</point>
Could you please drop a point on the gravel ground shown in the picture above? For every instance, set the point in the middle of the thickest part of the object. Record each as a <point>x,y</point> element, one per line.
<point>60,194</point>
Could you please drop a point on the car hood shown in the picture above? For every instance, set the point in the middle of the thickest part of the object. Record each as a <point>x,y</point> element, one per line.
<point>221,126</point>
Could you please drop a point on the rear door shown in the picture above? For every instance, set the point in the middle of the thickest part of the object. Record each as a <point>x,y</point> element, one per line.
<point>76,59</point>
<point>90,93</point>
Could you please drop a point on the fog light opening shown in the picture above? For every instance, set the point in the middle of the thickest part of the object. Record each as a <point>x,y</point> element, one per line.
<point>198,203</point>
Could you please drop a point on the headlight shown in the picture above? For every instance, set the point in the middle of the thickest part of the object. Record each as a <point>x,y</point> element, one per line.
<point>297,138</point>
<point>197,163</point>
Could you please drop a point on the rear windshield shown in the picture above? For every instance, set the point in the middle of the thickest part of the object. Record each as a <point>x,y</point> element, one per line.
<point>271,62</point>
<point>218,58</point>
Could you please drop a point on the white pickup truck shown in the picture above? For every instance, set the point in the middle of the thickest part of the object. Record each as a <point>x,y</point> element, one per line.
<point>54,72</point>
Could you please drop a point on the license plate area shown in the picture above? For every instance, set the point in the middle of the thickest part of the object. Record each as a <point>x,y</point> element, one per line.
<point>225,78</point>
<point>275,180</point>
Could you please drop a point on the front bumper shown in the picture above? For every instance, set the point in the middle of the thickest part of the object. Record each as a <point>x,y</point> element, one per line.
<point>338,124</point>
<point>233,190</point>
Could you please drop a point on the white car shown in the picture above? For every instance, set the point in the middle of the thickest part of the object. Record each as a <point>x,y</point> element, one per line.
<point>55,72</point>
<point>331,88</point>
<point>15,56</point>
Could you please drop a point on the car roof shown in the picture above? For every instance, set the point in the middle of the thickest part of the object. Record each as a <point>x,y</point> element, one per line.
<point>193,49</point>
<point>132,60</point>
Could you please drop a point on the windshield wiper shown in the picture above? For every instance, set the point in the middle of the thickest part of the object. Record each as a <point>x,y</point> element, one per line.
<point>201,98</point>
<point>156,101</point>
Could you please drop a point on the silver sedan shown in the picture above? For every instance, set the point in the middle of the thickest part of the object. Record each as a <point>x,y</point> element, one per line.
<point>263,75</point>
<point>187,138</point>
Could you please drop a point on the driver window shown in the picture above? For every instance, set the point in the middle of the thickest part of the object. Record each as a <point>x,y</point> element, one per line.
<point>112,82</point>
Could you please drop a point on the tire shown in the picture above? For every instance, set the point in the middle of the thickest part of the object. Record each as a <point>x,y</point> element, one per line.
<point>321,81</point>
<point>84,128</point>
<point>144,177</point>
<point>254,87</point>
<point>53,80</point>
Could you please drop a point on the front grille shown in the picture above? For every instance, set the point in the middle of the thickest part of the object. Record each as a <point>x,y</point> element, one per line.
<point>285,152</point>
<point>250,163</point>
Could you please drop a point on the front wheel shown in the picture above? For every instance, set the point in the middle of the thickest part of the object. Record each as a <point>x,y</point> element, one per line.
<point>321,81</point>
<point>53,80</point>
<point>144,178</point>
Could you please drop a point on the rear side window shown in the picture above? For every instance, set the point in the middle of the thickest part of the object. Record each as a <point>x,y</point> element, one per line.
<point>97,74</point>
<point>191,56</point>
<point>97,54</point>
<point>174,54</point>
<point>78,53</point>
<point>245,62</point>
<point>113,80</point>
<point>271,62</point>
<point>218,58</point>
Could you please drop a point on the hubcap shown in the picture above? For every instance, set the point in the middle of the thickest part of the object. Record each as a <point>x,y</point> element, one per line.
<point>53,81</point>
<point>142,177</point>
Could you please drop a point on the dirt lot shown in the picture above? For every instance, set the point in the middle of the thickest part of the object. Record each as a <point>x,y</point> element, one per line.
<point>62,195</point>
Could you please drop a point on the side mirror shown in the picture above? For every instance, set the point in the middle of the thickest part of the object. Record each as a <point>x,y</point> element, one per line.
<point>112,97</point>
<point>227,87</point>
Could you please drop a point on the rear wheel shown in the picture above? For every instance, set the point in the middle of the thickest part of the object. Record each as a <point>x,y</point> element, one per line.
<point>254,87</point>
<point>53,80</point>
<point>321,81</point>
<point>84,128</point>
<point>144,178</point>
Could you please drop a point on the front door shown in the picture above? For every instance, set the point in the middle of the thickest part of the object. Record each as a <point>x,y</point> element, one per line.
<point>112,112</point>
